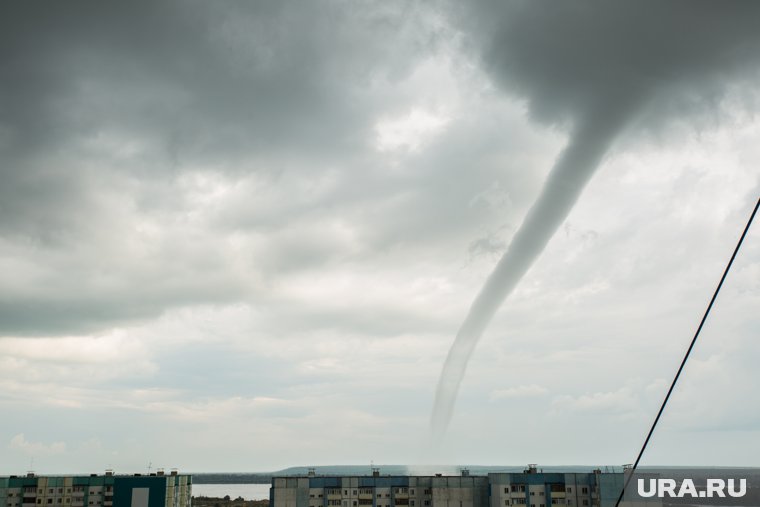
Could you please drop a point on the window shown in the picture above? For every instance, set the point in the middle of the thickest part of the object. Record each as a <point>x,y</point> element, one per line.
<point>39,500</point>
<point>412,491</point>
<point>585,502</point>
<point>411,502</point>
<point>584,490</point>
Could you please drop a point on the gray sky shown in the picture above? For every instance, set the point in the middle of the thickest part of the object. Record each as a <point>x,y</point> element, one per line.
<point>243,237</point>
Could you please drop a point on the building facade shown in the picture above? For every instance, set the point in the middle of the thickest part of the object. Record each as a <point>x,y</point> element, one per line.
<point>527,489</point>
<point>534,489</point>
<point>108,490</point>
<point>379,491</point>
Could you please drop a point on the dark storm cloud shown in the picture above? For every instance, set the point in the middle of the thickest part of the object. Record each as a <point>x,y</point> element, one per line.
<point>238,77</point>
<point>106,107</point>
<point>565,59</point>
<point>595,67</point>
<point>193,82</point>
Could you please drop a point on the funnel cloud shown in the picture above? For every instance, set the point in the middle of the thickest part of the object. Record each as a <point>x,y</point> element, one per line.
<point>572,171</point>
<point>595,67</point>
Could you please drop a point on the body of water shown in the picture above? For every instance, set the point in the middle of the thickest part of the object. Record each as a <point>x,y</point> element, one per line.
<point>247,491</point>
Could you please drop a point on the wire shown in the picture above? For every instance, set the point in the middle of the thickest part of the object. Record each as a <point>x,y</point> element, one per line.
<point>686,356</point>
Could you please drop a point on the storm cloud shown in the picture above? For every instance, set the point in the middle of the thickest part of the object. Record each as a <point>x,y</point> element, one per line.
<point>259,225</point>
<point>118,122</point>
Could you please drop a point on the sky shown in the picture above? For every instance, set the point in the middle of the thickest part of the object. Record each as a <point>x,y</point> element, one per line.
<point>243,236</point>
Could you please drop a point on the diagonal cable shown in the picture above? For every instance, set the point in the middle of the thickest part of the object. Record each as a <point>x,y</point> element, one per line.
<point>686,356</point>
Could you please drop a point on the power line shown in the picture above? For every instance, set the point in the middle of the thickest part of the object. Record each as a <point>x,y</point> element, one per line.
<point>686,356</point>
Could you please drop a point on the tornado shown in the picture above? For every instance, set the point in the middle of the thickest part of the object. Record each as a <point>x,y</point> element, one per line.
<point>576,164</point>
<point>597,66</point>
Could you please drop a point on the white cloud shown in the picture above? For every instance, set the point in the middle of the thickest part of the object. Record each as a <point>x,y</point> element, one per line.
<point>36,448</point>
<point>524,391</point>
<point>409,131</point>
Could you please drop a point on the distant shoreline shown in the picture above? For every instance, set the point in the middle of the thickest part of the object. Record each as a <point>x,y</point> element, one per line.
<point>219,478</point>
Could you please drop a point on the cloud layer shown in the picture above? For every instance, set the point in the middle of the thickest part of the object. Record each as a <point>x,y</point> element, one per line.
<point>242,238</point>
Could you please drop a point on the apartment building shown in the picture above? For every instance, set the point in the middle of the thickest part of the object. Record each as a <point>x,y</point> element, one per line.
<point>379,491</point>
<point>537,489</point>
<point>530,488</point>
<point>107,490</point>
